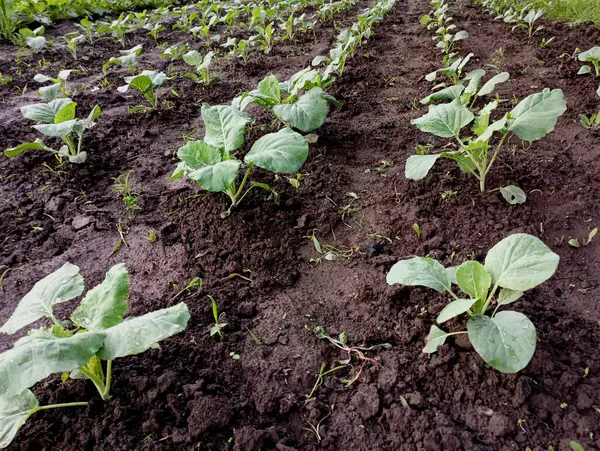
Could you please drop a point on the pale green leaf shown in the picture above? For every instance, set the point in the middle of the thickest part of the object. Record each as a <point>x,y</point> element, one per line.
<point>520,262</point>
<point>507,296</point>
<point>136,335</point>
<point>44,112</point>
<point>490,85</point>
<point>418,166</point>
<point>225,126</point>
<point>41,354</point>
<point>308,113</point>
<point>434,339</point>
<point>281,152</point>
<point>449,93</point>
<point>57,130</point>
<point>14,411</point>
<point>473,279</point>
<point>454,309</point>
<point>62,285</point>
<point>513,194</point>
<point>105,305</point>
<point>536,115</point>
<point>446,120</point>
<point>506,342</point>
<point>420,271</point>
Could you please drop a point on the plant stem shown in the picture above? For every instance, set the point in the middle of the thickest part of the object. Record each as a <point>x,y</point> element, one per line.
<point>55,406</point>
<point>489,166</point>
<point>106,394</point>
<point>99,383</point>
<point>489,299</point>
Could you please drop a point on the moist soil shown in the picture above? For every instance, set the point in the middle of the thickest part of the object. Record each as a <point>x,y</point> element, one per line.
<point>190,393</point>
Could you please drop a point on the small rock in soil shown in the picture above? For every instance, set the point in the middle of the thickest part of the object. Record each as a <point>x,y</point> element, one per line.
<point>80,221</point>
<point>55,204</point>
<point>373,249</point>
<point>292,277</point>
<point>246,309</point>
<point>583,401</point>
<point>366,401</point>
<point>500,425</point>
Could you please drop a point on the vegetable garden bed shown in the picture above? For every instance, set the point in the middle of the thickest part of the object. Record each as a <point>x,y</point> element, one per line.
<point>307,260</point>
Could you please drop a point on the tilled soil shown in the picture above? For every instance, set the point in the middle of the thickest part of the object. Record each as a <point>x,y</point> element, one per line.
<point>191,394</point>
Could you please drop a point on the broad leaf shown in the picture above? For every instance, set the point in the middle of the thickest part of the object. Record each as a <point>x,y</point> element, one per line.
<point>506,342</point>
<point>507,296</point>
<point>536,115</point>
<point>281,152</point>
<point>269,88</point>
<point>36,43</point>
<point>44,112</point>
<point>136,335</point>
<point>14,411</point>
<point>225,126</point>
<point>590,55</point>
<point>308,113</point>
<point>513,194</point>
<point>474,77</point>
<point>445,120</point>
<point>50,92</point>
<point>434,339</point>
<point>418,166</point>
<point>454,309</point>
<point>520,262</point>
<point>41,354</point>
<point>473,279</point>
<point>449,93</point>
<point>38,144</point>
<point>490,85</point>
<point>142,83</point>
<point>57,130</point>
<point>66,113</point>
<point>193,58</point>
<point>420,271</point>
<point>218,177</point>
<point>105,305</point>
<point>62,285</point>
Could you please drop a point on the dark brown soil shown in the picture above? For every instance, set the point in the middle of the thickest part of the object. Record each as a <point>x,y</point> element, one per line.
<point>191,394</point>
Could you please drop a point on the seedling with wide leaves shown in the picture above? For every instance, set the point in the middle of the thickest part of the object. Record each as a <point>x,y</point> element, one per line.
<point>506,339</point>
<point>146,83</point>
<point>591,56</point>
<point>82,348</point>
<point>532,119</point>
<point>202,64</point>
<point>299,102</point>
<point>127,58</point>
<point>58,86</point>
<point>212,164</point>
<point>57,119</point>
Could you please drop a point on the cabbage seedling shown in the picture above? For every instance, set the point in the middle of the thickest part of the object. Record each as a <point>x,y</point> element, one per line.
<point>127,58</point>
<point>58,86</point>
<point>505,340</point>
<point>34,38</point>
<point>202,66</point>
<point>299,102</point>
<point>57,119</point>
<point>147,83</point>
<point>532,119</point>
<point>211,162</point>
<point>590,56</point>
<point>100,334</point>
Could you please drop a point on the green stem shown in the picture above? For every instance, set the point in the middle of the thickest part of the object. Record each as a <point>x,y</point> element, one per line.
<point>471,157</point>
<point>489,299</point>
<point>55,406</point>
<point>106,394</point>
<point>99,383</point>
<point>496,152</point>
<point>241,187</point>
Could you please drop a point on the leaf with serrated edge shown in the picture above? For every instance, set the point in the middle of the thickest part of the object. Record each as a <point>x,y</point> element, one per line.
<point>536,115</point>
<point>307,114</point>
<point>225,126</point>
<point>446,120</point>
<point>507,296</point>
<point>62,285</point>
<point>513,194</point>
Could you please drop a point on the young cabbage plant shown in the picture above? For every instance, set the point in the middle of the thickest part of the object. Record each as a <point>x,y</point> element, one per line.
<point>506,340</point>
<point>175,52</point>
<point>57,119</point>
<point>212,164</point>
<point>468,94</point>
<point>82,348</point>
<point>58,86</point>
<point>147,83</point>
<point>203,74</point>
<point>265,37</point>
<point>127,58</point>
<point>117,28</point>
<point>532,119</point>
<point>299,102</point>
<point>72,41</point>
<point>590,56</point>
<point>453,72</point>
<point>34,38</point>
